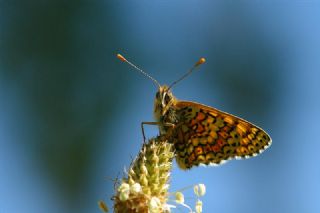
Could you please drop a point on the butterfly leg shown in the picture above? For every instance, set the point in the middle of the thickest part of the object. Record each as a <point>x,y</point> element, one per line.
<point>147,123</point>
<point>153,123</point>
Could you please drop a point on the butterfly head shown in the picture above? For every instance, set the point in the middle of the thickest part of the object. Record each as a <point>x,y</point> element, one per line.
<point>163,101</point>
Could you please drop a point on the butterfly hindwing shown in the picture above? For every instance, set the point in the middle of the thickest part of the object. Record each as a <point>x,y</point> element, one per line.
<point>205,135</point>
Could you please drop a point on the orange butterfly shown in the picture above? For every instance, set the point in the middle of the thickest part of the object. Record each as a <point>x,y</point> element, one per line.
<point>203,135</point>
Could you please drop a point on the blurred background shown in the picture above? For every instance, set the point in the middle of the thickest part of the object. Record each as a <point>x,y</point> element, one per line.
<point>70,111</point>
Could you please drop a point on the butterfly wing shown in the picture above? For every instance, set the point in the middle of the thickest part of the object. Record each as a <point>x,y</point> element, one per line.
<point>205,135</point>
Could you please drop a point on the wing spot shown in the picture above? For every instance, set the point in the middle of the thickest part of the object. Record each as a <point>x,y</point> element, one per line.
<point>251,148</point>
<point>229,120</point>
<point>213,134</point>
<point>199,150</point>
<point>223,134</point>
<point>204,140</point>
<point>200,128</point>
<point>210,119</point>
<point>242,128</point>
<point>195,141</point>
<point>214,114</point>
<point>209,157</point>
<point>215,148</point>
<point>200,116</point>
<point>201,159</point>
<point>251,136</point>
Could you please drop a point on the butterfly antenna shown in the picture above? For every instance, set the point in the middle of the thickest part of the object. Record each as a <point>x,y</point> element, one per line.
<point>201,61</point>
<point>123,59</point>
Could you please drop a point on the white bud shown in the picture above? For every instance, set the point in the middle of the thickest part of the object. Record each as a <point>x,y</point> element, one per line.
<point>199,189</point>
<point>179,197</point>
<point>135,188</point>
<point>124,191</point>
<point>154,205</point>
<point>124,195</point>
<point>123,187</point>
<point>199,206</point>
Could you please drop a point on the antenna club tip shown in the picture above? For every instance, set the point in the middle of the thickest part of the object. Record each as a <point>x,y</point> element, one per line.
<point>121,58</point>
<point>201,61</point>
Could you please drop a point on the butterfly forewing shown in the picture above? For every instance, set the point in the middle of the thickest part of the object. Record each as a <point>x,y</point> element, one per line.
<point>205,135</point>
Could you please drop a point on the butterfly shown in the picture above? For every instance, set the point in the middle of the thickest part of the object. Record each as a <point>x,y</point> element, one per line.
<point>203,135</point>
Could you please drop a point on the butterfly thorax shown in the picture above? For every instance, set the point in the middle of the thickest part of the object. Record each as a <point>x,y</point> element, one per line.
<point>164,108</point>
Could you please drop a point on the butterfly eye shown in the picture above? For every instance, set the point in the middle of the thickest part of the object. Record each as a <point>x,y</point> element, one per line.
<point>166,99</point>
<point>157,95</point>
